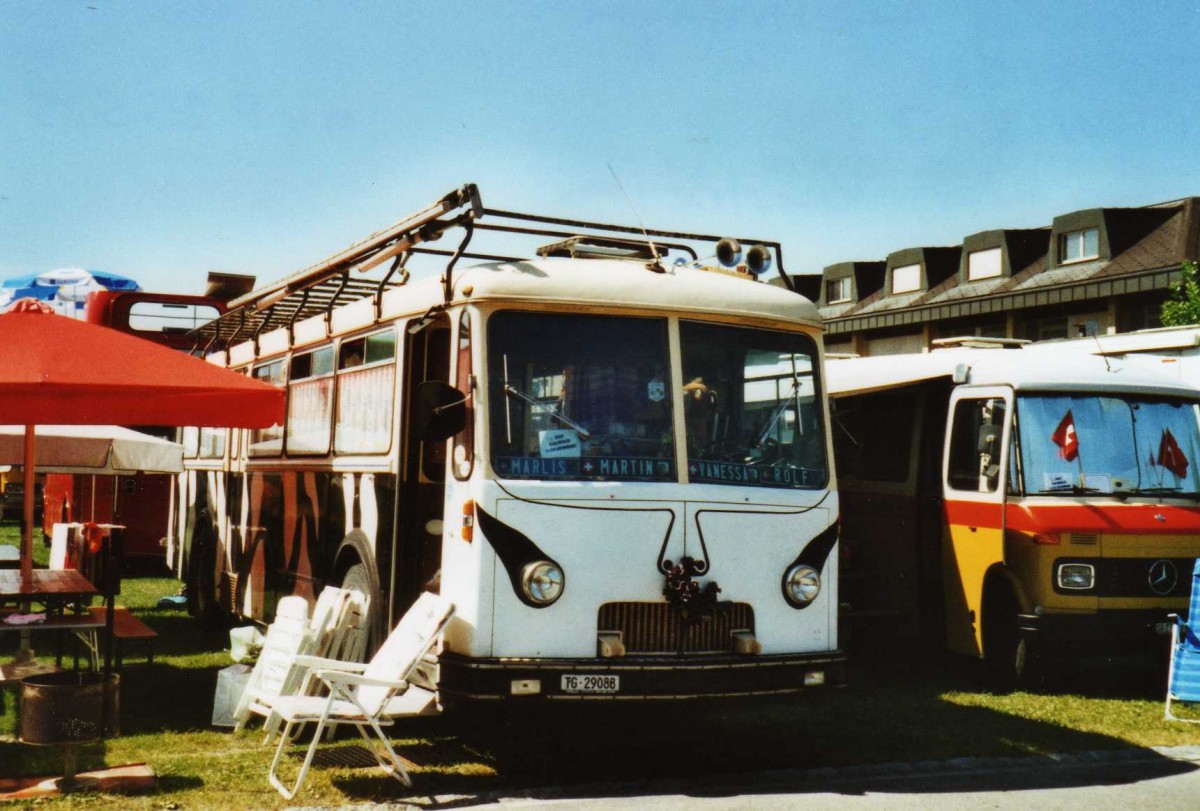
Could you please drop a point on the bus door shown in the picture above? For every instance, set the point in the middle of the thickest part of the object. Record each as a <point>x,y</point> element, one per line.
<point>977,437</point>
<point>422,480</point>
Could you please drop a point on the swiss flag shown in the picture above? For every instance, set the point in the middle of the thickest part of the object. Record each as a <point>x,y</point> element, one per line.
<point>1170,455</point>
<point>1066,439</point>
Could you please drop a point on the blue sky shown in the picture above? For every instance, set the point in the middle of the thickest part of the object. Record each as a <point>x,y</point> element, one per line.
<point>163,140</point>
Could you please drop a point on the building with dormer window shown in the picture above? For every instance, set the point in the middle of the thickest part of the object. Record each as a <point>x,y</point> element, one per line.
<point>1092,272</point>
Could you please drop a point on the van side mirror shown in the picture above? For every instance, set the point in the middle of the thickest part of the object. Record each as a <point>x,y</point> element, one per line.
<point>441,411</point>
<point>989,435</point>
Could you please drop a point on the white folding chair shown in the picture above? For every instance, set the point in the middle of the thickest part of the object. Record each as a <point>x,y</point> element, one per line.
<point>275,671</point>
<point>367,696</point>
<point>339,631</point>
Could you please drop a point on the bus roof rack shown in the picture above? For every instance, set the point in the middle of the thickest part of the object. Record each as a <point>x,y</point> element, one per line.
<point>978,342</point>
<point>344,276</point>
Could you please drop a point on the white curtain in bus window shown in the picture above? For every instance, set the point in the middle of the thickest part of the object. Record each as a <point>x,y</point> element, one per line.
<point>191,442</point>
<point>310,407</point>
<point>1107,444</point>
<point>580,397</point>
<point>751,407</point>
<point>268,441</point>
<point>365,410</point>
<point>310,402</point>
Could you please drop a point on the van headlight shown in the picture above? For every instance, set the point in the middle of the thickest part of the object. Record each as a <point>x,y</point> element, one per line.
<point>542,582</point>
<point>1076,576</point>
<point>801,585</point>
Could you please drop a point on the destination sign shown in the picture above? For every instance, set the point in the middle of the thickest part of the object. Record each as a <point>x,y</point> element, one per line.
<point>606,468</point>
<point>702,470</point>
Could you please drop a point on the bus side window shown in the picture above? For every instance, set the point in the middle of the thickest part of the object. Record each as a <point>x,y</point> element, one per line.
<point>365,383</point>
<point>975,445</point>
<point>268,441</point>
<point>212,443</point>
<point>310,402</point>
<point>191,442</point>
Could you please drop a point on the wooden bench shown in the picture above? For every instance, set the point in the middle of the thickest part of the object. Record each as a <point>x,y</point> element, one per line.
<point>127,628</point>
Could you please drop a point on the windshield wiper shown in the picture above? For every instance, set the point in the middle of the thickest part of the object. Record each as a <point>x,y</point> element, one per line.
<point>1073,489</point>
<point>1162,491</point>
<point>764,433</point>
<point>545,408</point>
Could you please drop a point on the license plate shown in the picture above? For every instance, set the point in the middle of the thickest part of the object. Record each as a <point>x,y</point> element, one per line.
<point>1163,628</point>
<point>590,685</point>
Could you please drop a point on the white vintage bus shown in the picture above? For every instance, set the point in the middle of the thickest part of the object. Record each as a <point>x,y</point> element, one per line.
<point>612,456</point>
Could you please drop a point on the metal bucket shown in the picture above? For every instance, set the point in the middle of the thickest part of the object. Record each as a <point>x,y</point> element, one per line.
<point>67,707</point>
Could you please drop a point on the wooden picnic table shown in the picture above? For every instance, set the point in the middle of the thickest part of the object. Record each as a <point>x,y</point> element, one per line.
<point>53,588</point>
<point>61,592</point>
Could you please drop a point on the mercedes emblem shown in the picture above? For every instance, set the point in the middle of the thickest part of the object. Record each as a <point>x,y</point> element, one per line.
<point>1163,577</point>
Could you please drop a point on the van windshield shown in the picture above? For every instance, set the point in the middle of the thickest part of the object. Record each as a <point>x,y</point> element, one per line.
<point>580,397</point>
<point>1071,444</point>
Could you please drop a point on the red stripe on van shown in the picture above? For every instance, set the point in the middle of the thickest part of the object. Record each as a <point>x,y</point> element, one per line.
<point>1147,519</point>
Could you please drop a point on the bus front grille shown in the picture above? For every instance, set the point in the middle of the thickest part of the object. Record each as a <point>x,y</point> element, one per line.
<point>661,628</point>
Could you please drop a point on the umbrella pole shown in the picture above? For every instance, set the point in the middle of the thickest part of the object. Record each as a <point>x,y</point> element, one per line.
<point>27,469</point>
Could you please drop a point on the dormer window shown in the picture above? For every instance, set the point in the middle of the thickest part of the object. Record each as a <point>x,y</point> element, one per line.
<point>983,264</point>
<point>837,291</point>
<point>906,279</point>
<point>1079,246</point>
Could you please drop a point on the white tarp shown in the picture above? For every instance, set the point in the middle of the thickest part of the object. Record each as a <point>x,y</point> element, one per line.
<point>98,449</point>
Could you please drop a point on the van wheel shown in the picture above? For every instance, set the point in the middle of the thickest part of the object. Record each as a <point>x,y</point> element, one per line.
<point>1008,654</point>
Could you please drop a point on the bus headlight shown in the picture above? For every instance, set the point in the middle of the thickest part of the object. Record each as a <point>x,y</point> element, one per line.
<point>801,585</point>
<point>542,582</point>
<point>1076,576</point>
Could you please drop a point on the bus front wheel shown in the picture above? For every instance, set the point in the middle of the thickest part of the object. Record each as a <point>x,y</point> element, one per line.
<point>356,564</point>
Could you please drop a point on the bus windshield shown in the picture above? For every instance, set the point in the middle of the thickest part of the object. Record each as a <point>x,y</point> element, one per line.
<point>1071,444</point>
<point>580,397</point>
<point>750,407</point>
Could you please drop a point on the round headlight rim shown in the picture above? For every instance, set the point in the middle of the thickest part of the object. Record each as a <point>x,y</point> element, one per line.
<point>790,576</point>
<point>527,575</point>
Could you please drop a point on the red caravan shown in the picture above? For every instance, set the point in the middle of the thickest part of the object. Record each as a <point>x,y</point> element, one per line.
<point>142,502</point>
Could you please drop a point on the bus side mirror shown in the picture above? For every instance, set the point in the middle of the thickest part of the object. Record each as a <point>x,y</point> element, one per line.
<point>441,411</point>
<point>988,435</point>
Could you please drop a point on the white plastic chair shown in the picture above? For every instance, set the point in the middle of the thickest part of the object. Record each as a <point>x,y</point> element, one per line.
<point>353,640</point>
<point>292,634</point>
<point>367,696</point>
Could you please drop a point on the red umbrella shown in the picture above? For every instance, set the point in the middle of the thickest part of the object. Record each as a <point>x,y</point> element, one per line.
<point>55,370</point>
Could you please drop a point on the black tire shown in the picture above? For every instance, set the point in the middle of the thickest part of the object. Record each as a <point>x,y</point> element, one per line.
<point>1009,654</point>
<point>201,581</point>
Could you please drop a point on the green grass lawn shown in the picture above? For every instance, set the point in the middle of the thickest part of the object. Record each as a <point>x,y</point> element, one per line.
<point>891,711</point>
